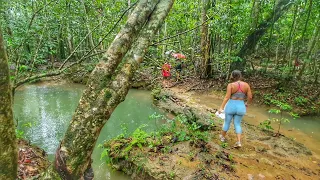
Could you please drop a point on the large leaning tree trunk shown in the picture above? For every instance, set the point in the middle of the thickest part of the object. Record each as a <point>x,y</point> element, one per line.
<point>122,81</point>
<point>8,144</point>
<point>254,37</point>
<point>106,89</point>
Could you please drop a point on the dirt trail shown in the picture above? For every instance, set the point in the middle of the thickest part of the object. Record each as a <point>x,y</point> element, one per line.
<point>203,156</point>
<point>261,156</point>
<point>255,114</point>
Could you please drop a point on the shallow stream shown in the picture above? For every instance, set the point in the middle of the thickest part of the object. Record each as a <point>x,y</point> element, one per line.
<point>43,112</point>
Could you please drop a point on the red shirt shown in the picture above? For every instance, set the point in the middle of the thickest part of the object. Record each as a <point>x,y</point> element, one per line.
<point>166,70</point>
<point>296,63</point>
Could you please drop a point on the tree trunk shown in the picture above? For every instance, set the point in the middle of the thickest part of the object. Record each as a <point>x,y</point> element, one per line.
<point>8,144</point>
<point>269,41</point>
<point>61,50</point>
<point>212,37</point>
<point>205,41</point>
<point>292,43</point>
<point>253,38</point>
<point>310,48</point>
<point>103,94</point>
<point>290,39</point>
<point>164,47</point>
<point>51,58</point>
<point>219,44</point>
<point>277,54</point>
<point>101,20</point>
<point>90,38</point>
<point>255,14</point>
<point>34,58</point>
<point>70,42</point>
<point>310,45</point>
<point>316,74</point>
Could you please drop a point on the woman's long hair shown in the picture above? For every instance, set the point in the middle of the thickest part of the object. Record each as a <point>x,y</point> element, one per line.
<point>236,75</point>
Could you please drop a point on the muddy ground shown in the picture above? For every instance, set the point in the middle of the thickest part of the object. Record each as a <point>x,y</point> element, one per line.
<point>263,155</point>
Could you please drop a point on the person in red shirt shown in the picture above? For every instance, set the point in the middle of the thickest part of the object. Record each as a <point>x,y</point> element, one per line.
<point>296,64</point>
<point>166,73</point>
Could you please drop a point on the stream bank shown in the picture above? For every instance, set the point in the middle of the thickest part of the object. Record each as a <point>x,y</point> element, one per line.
<point>169,154</point>
<point>32,160</point>
<point>43,111</point>
<point>177,102</point>
<point>302,96</point>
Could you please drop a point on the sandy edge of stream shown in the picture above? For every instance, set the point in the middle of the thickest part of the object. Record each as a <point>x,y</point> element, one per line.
<point>262,155</point>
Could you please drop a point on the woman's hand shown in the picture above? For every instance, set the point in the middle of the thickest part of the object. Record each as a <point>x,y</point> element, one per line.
<point>226,98</point>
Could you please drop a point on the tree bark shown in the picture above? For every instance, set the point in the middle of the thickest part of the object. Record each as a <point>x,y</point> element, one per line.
<point>70,43</point>
<point>90,38</point>
<point>310,46</point>
<point>103,93</point>
<point>269,41</point>
<point>316,74</point>
<point>61,50</point>
<point>312,43</point>
<point>164,47</point>
<point>8,144</point>
<point>255,14</point>
<point>254,37</point>
<point>122,82</point>
<point>290,39</point>
<point>205,41</point>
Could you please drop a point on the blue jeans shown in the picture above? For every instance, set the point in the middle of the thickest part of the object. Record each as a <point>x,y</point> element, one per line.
<point>235,109</point>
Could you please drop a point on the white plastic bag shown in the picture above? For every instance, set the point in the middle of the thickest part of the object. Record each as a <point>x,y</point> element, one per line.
<point>221,115</point>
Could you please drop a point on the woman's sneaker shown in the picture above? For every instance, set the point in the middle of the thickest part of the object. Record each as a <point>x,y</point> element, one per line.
<point>222,139</point>
<point>237,145</point>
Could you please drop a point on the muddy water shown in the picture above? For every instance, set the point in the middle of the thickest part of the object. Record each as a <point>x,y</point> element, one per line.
<point>305,129</point>
<point>43,112</point>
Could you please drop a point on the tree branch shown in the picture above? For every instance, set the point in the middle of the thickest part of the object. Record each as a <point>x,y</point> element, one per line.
<point>34,14</point>
<point>75,49</point>
<point>31,22</point>
<point>170,37</point>
<point>104,37</point>
<point>32,78</point>
<point>86,56</point>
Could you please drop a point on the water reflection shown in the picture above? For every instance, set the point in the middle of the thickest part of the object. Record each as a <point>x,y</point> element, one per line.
<point>49,109</point>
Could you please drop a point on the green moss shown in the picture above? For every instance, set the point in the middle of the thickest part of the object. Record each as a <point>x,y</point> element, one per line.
<point>107,95</point>
<point>105,81</point>
<point>156,93</point>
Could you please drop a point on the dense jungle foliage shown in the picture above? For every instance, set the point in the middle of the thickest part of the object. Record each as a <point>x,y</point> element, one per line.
<point>277,39</point>
<point>43,35</point>
<point>275,43</point>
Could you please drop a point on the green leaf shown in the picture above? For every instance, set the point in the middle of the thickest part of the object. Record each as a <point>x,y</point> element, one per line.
<point>274,111</point>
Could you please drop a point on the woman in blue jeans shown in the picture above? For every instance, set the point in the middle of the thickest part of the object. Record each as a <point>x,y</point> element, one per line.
<point>234,105</point>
